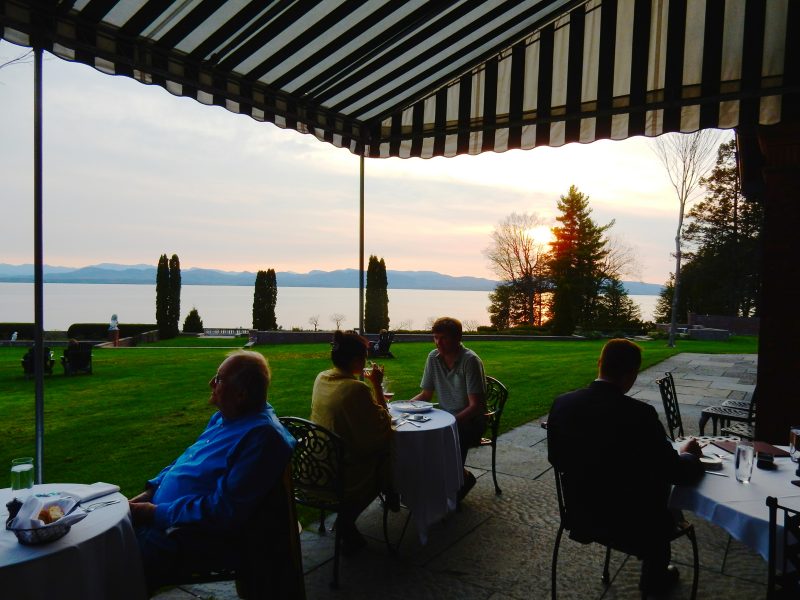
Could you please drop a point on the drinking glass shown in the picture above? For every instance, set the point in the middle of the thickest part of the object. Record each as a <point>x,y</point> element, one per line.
<point>22,473</point>
<point>744,461</point>
<point>794,442</point>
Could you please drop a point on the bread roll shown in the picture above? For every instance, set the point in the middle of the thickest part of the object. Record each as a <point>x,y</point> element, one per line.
<point>50,514</point>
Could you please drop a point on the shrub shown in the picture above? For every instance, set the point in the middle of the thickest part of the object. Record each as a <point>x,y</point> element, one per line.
<point>193,322</point>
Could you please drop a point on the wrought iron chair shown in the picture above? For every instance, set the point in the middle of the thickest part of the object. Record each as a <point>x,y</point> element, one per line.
<point>496,397</point>
<point>727,415</point>
<point>683,529</point>
<point>270,564</point>
<point>672,411</point>
<point>786,582</point>
<point>318,474</point>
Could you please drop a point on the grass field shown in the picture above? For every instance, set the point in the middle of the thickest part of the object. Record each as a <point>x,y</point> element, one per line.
<point>143,406</point>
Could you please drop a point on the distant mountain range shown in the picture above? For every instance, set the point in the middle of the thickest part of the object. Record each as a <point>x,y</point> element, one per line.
<point>342,278</point>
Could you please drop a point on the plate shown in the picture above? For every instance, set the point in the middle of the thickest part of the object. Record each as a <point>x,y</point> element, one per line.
<point>711,463</point>
<point>412,406</point>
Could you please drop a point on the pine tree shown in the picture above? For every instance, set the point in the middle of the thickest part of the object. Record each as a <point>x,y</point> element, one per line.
<point>616,311</point>
<point>272,299</point>
<point>260,302</point>
<point>193,322</point>
<point>162,297</point>
<point>174,307</point>
<point>576,264</point>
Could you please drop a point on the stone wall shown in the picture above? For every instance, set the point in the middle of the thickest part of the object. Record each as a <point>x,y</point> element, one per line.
<point>737,325</point>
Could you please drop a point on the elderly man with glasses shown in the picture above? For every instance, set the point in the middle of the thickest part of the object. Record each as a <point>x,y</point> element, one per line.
<point>218,483</point>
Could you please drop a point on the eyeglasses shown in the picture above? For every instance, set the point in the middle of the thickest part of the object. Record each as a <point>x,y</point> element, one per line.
<point>216,380</point>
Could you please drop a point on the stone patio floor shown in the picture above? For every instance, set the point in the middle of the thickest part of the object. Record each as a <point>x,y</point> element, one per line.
<point>500,547</point>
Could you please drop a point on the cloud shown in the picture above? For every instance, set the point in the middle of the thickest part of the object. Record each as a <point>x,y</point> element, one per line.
<point>132,171</point>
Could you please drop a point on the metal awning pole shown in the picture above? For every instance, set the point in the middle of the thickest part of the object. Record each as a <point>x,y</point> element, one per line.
<point>361,250</point>
<point>38,261</point>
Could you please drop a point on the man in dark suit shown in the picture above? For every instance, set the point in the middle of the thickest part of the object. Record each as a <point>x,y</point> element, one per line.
<point>618,466</point>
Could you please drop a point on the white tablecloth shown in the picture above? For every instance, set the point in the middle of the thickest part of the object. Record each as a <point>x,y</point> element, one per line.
<point>98,559</point>
<point>427,471</point>
<point>740,508</point>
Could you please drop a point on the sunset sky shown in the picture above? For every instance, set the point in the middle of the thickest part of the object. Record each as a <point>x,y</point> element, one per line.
<point>131,172</point>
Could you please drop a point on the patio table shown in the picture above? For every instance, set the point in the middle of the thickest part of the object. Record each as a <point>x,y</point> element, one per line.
<point>96,560</point>
<point>427,470</point>
<point>740,508</point>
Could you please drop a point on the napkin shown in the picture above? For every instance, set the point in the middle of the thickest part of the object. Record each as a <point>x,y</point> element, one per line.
<point>85,493</point>
<point>28,515</point>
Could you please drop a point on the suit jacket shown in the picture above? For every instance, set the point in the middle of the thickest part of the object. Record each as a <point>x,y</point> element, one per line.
<point>617,466</point>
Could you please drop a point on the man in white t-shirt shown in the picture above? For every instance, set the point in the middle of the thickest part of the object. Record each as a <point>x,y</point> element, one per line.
<point>456,375</point>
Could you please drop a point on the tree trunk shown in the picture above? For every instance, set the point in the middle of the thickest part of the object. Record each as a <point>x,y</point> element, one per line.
<point>673,328</point>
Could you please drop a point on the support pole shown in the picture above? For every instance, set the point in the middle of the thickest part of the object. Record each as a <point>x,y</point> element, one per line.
<point>38,261</point>
<point>361,249</point>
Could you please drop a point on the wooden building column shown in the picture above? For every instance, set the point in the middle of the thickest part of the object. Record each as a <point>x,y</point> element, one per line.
<point>779,337</point>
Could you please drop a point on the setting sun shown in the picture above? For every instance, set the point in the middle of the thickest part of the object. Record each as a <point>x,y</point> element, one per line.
<point>541,234</point>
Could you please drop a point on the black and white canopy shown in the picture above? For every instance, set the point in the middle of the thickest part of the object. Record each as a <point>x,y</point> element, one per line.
<point>433,78</point>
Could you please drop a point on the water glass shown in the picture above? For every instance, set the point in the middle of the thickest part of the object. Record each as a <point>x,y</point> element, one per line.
<point>22,473</point>
<point>794,442</point>
<point>745,454</point>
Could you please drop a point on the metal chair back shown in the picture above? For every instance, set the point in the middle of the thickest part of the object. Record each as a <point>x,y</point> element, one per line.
<point>318,473</point>
<point>496,397</point>
<point>786,582</point>
<point>672,411</point>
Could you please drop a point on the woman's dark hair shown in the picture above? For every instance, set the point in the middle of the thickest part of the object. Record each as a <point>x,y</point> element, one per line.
<point>345,347</point>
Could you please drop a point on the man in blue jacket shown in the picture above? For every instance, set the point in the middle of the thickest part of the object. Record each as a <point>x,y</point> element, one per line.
<point>618,466</point>
<point>218,483</point>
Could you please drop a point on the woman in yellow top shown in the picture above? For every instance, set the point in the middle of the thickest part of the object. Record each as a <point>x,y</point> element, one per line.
<point>357,412</point>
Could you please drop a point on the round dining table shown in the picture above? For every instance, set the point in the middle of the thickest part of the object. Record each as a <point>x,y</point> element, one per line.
<point>427,467</point>
<point>97,559</point>
<point>740,508</point>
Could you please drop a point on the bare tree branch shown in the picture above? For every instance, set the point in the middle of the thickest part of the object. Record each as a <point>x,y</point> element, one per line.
<point>686,158</point>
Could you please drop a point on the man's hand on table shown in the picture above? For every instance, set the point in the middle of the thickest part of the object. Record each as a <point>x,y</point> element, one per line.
<point>692,447</point>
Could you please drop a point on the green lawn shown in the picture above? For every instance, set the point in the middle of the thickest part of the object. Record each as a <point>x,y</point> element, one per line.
<point>143,406</point>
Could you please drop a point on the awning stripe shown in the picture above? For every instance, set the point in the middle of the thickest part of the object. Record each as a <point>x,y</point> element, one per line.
<point>416,78</point>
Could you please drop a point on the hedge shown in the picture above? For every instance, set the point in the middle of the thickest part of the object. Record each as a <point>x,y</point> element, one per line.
<point>99,331</point>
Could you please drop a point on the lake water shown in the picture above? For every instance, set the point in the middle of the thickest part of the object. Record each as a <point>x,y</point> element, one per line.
<point>232,306</point>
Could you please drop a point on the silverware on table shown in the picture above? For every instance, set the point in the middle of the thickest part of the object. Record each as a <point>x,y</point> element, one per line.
<point>717,474</point>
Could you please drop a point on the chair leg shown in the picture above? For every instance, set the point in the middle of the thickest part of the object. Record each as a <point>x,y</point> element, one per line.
<point>702,424</point>
<point>497,489</point>
<point>393,549</point>
<point>321,529</point>
<point>337,543</point>
<point>555,563</point>
<point>606,579</point>
<point>696,563</point>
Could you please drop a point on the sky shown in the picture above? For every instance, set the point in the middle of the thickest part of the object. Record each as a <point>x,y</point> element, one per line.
<point>132,172</point>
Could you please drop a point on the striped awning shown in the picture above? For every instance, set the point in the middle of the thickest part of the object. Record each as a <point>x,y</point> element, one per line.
<point>429,78</point>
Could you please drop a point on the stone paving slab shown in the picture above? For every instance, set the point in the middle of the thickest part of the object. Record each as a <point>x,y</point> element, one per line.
<point>500,547</point>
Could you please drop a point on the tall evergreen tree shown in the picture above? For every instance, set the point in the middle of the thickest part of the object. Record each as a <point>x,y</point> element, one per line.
<point>722,275</point>
<point>272,299</point>
<point>260,302</point>
<point>383,296</point>
<point>162,297</point>
<point>174,308</point>
<point>616,311</point>
<point>576,264</point>
<point>376,297</point>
